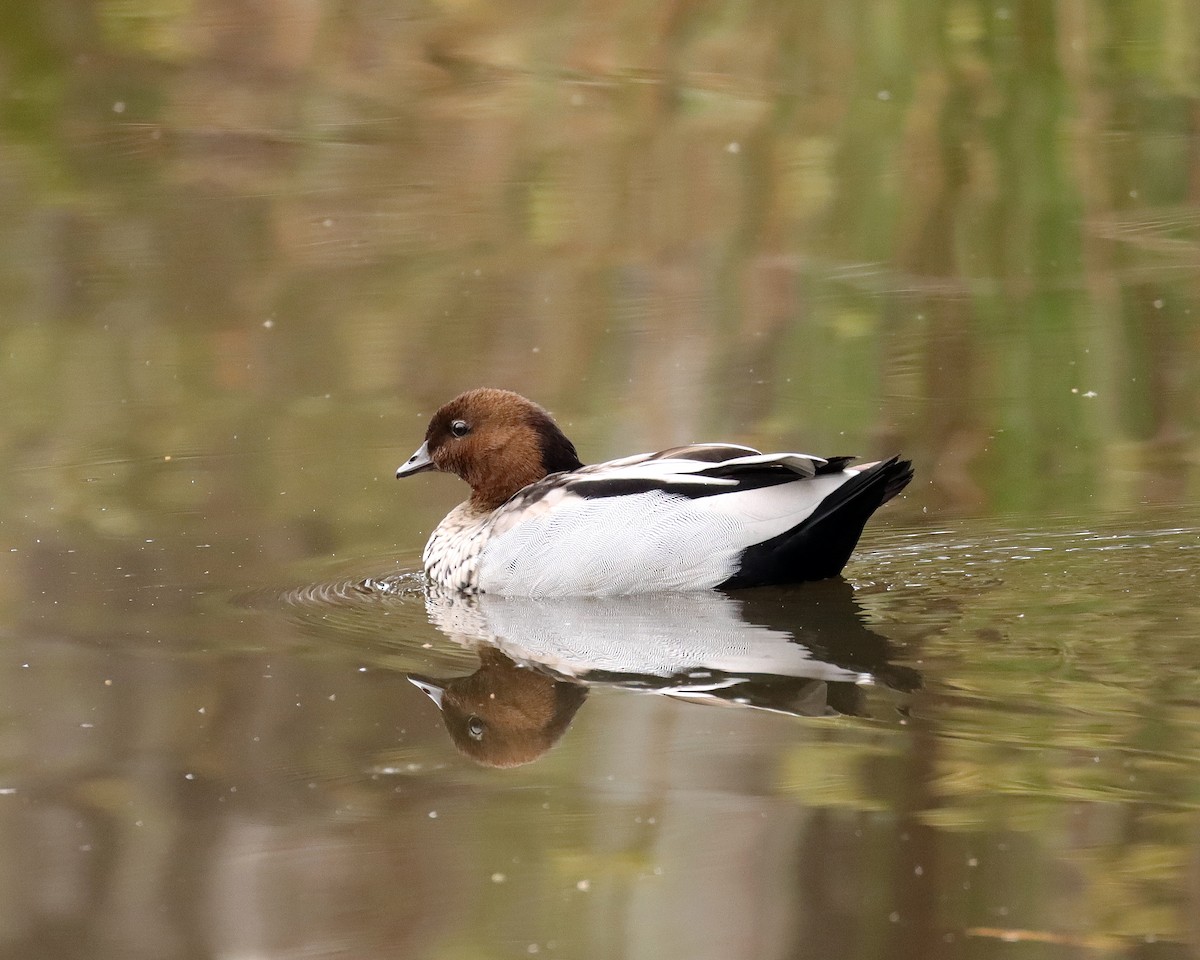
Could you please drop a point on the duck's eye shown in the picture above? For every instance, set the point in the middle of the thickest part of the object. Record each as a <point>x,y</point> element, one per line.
<point>460,428</point>
<point>475,728</point>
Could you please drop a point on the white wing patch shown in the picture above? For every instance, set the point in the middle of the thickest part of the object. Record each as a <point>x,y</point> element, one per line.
<point>638,543</point>
<point>769,511</point>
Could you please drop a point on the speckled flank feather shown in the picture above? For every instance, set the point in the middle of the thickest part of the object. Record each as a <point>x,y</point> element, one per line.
<point>451,557</point>
<point>689,518</point>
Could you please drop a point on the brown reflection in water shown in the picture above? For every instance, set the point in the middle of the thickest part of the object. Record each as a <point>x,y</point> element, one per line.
<point>1193,894</point>
<point>1137,163</point>
<point>175,806</point>
<point>936,150</point>
<point>503,715</point>
<point>506,714</point>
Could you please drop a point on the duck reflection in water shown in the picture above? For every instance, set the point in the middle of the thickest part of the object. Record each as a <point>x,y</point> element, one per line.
<point>504,714</point>
<point>800,651</point>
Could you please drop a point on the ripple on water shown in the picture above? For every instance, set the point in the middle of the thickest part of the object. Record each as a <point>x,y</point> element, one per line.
<point>947,557</point>
<point>404,586</point>
<point>1070,649</point>
<point>380,617</point>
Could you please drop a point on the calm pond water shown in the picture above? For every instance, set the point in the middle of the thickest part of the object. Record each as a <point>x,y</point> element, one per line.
<point>247,249</point>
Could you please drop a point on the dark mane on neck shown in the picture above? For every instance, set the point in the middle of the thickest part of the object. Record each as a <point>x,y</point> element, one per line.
<point>558,453</point>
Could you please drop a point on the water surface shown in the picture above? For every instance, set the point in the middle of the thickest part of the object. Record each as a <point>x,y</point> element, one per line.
<point>246,251</point>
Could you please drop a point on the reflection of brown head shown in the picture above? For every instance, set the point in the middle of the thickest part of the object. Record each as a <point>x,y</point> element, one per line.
<point>503,715</point>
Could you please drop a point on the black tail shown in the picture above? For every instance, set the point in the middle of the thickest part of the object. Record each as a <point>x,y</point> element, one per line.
<point>820,546</point>
<point>898,477</point>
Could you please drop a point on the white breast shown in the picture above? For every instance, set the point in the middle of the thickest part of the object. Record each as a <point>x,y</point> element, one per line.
<point>451,557</point>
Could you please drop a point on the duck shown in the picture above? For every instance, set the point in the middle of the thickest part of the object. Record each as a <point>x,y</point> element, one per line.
<point>541,523</point>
